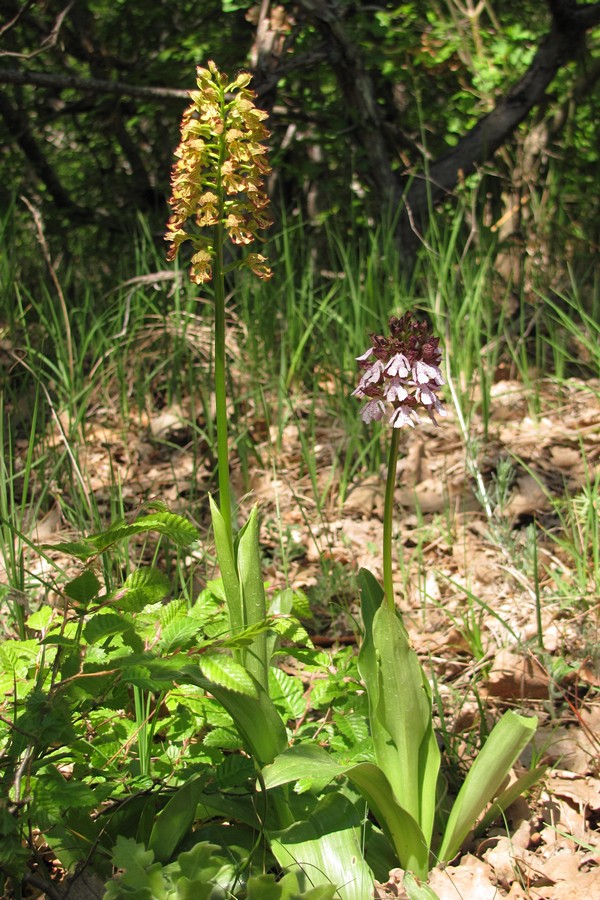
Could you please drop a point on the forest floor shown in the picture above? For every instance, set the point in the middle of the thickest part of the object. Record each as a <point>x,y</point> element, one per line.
<point>492,635</point>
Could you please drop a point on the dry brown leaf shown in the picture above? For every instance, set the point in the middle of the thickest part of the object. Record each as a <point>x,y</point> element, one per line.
<point>517,677</point>
<point>530,497</point>
<point>468,881</point>
<point>365,496</point>
<point>428,496</point>
<point>584,793</point>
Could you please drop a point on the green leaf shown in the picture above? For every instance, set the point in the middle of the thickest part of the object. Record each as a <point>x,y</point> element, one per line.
<point>144,586</point>
<point>76,839</point>
<point>416,890</point>
<point>400,708</point>
<point>103,625</point>
<point>82,550</point>
<point>508,796</point>
<point>227,673</point>
<point>287,691</point>
<point>40,619</point>
<point>326,849</point>
<point>265,887</point>
<point>175,821</point>
<point>254,606</point>
<point>401,829</point>
<point>175,527</point>
<point>256,719</point>
<point>231,585</point>
<point>178,634</point>
<point>497,756</point>
<point>141,878</point>
<point>84,588</point>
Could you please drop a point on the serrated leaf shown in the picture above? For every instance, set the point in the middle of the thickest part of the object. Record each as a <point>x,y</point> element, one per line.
<point>175,527</point>
<point>144,586</point>
<point>287,691</point>
<point>40,619</point>
<point>103,625</point>
<point>178,634</point>
<point>59,640</point>
<point>223,739</point>
<point>82,550</point>
<point>84,588</point>
<point>226,672</point>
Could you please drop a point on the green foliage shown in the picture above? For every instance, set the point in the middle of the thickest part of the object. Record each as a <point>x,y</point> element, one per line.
<point>121,737</point>
<point>401,786</point>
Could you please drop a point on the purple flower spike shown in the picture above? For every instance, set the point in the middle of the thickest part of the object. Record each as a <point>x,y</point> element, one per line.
<point>373,411</point>
<point>401,374</point>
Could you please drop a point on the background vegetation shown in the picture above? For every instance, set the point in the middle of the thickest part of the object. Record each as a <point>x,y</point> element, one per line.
<point>441,157</point>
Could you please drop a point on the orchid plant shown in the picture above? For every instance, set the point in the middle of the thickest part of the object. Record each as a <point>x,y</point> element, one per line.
<point>218,195</point>
<point>400,382</point>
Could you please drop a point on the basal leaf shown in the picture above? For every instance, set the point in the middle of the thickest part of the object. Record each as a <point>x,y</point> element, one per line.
<point>403,832</point>
<point>229,576</point>
<point>326,849</point>
<point>254,607</point>
<point>256,719</point>
<point>506,741</point>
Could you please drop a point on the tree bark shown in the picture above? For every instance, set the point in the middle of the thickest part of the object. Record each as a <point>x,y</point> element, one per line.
<point>570,23</point>
<point>493,130</point>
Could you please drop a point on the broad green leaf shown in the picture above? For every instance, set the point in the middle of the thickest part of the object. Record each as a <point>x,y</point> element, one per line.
<point>399,706</point>
<point>256,719</point>
<point>229,576</point>
<point>79,549</point>
<point>40,619</point>
<point>287,691</point>
<point>307,760</point>
<point>84,588</point>
<point>175,821</point>
<point>178,634</point>
<point>497,756</point>
<point>254,606</point>
<point>175,527</point>
<point>326,849</point>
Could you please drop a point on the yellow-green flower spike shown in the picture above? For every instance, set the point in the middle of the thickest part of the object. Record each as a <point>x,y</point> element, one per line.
<point>218,178</point>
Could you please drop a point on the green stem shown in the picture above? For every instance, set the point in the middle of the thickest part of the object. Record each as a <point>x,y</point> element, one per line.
<point>220,383</point>
<point>388,518</point>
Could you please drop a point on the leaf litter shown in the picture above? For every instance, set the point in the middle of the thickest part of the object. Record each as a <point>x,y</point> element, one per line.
<point>470,609</point>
